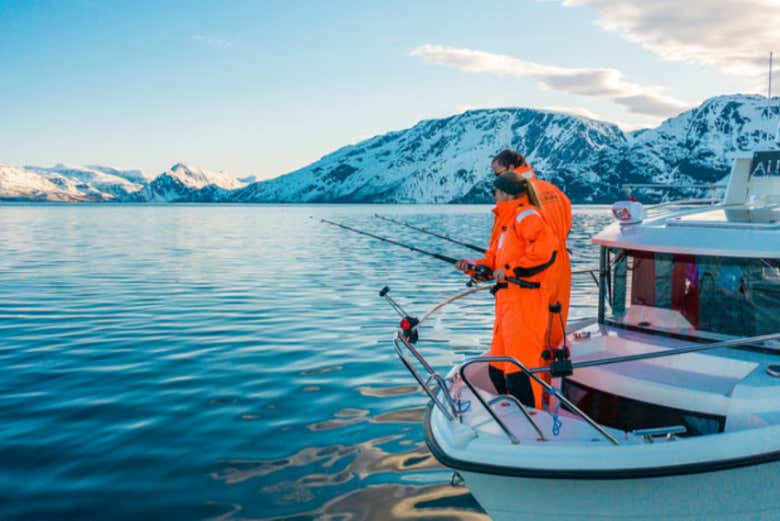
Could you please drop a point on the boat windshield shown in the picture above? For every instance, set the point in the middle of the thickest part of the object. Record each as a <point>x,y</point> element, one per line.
<point>696,296</point>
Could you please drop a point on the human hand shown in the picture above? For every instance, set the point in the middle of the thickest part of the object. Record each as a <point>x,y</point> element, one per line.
<point>463,265</point>
<point>499,276</point>
<point>482,273</point>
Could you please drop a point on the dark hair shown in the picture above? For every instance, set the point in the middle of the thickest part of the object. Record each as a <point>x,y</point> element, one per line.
<point>509,159</point>
<point>517,185</point>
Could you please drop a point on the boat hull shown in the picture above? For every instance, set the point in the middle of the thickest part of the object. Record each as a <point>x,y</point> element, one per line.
<point>745,493</point>
<point>709,477</point>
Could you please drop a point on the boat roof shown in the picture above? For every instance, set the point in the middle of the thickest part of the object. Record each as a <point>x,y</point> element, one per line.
<point>746,223</point>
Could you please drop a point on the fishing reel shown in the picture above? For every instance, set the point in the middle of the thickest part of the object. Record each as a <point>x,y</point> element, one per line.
<point>408,323</point>
<point>481,274</point>
<point>409,329</point>
<point>561,365</point>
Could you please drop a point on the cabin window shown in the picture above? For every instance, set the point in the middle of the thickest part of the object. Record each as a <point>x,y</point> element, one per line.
<point>693,295</point>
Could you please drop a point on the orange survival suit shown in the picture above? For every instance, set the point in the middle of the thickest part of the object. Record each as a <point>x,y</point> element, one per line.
<point>556,209</point>
<point>524,247</point>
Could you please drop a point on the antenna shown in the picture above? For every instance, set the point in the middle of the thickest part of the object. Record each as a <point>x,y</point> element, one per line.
<point>769,101</point>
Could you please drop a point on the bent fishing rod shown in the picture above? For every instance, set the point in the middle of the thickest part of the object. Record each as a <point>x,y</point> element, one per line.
<point>482,271</point>
<point>585,271</point>
<point>423,230</point>
<point>391,241</point>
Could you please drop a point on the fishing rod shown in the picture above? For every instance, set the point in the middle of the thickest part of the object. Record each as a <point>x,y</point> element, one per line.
<point>482,272</point>
<point>587,271</point>
<point>423,230</point>
<point>391,241</point>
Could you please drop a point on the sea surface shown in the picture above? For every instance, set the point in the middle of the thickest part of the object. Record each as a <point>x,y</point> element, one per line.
<point>217,362</point>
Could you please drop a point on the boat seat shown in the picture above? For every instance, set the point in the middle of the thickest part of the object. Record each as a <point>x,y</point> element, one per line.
<point>662,385</point>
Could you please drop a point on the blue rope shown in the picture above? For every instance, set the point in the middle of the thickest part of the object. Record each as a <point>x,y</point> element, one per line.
<point>557,424</point>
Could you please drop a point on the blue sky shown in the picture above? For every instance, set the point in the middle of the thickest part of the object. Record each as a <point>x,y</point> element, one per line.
<point>265,87</point>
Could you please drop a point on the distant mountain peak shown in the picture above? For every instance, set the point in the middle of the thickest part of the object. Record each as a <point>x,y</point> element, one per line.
<point>182,166</point>
<point>94,182</point>
<point>448,160</point>
<point>18,183</point>
<point>196,177</point>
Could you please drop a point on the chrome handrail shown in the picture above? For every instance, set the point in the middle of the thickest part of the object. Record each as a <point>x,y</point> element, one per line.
<point>712,187</point>
<point>453,412</point>
<point>693,348</point>
<point>550,389</point>
<point>450,410</point>
<point>686,202</point>
<point>489,408</point>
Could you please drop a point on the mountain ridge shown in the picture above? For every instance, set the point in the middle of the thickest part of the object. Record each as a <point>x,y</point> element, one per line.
<point>589,159</point>
<point>447,160</point>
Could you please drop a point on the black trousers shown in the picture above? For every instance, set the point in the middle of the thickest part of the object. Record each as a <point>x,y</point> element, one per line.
<point>518,384</point>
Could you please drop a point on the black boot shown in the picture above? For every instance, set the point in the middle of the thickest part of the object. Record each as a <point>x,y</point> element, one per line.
<point>497,377</point>
<point>519,385</point>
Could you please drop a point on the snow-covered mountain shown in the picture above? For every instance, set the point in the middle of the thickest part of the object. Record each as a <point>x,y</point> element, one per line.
<point>20,184</point>
<point>134,176</point>
<point>187,183</point>
<point>448,160</point>
<point>95,182</point>
<point>700,144</point>
<point>439,161</point>
<point>104,183</point>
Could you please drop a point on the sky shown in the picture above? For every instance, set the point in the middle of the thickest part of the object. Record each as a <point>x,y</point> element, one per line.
<point>261,88</point>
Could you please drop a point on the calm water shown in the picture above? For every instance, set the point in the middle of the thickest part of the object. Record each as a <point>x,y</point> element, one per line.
<point>229,362</point>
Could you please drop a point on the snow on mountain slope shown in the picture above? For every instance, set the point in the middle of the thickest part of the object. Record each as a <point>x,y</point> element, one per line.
<point>134,176</point>
<point>187,183</point>
<point>448,160</point>
<point>101,183</point>
<point>699,145</point>
<point>197,178</point>
<point>439,161</point>
<point>21,184</point>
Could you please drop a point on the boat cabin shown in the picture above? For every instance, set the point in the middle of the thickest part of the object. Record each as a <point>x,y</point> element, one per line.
<point>692,274</point>
<point>672,410</point>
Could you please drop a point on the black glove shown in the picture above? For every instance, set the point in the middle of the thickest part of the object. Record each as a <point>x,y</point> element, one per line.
<point>481,273</point>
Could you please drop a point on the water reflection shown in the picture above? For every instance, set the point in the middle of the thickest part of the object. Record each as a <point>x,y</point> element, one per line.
<point>342,418</point>
<point>399,502</point>
<point>384,503</point>
<point>365,459</point>
<point>382,392</point>
<point>198,362</point>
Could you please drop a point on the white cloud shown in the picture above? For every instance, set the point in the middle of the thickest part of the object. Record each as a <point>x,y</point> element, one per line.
<point>213,42</point>
<point>599,83</point>
<point>637,123</point>
<point>733,35</point>
<point>465,108</point>
<point>574,111</point>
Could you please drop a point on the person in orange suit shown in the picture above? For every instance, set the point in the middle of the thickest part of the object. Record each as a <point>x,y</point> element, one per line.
<point>524,248</point>
<point>556,209</point>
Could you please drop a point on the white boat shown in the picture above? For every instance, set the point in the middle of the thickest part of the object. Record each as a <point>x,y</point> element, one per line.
<point>673,407</point>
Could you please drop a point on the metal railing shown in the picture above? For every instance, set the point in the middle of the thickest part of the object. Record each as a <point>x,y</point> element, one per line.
<point>434,379</point>
<point>435,386</point>
<point>549,388</point>
<point>712,187</point>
